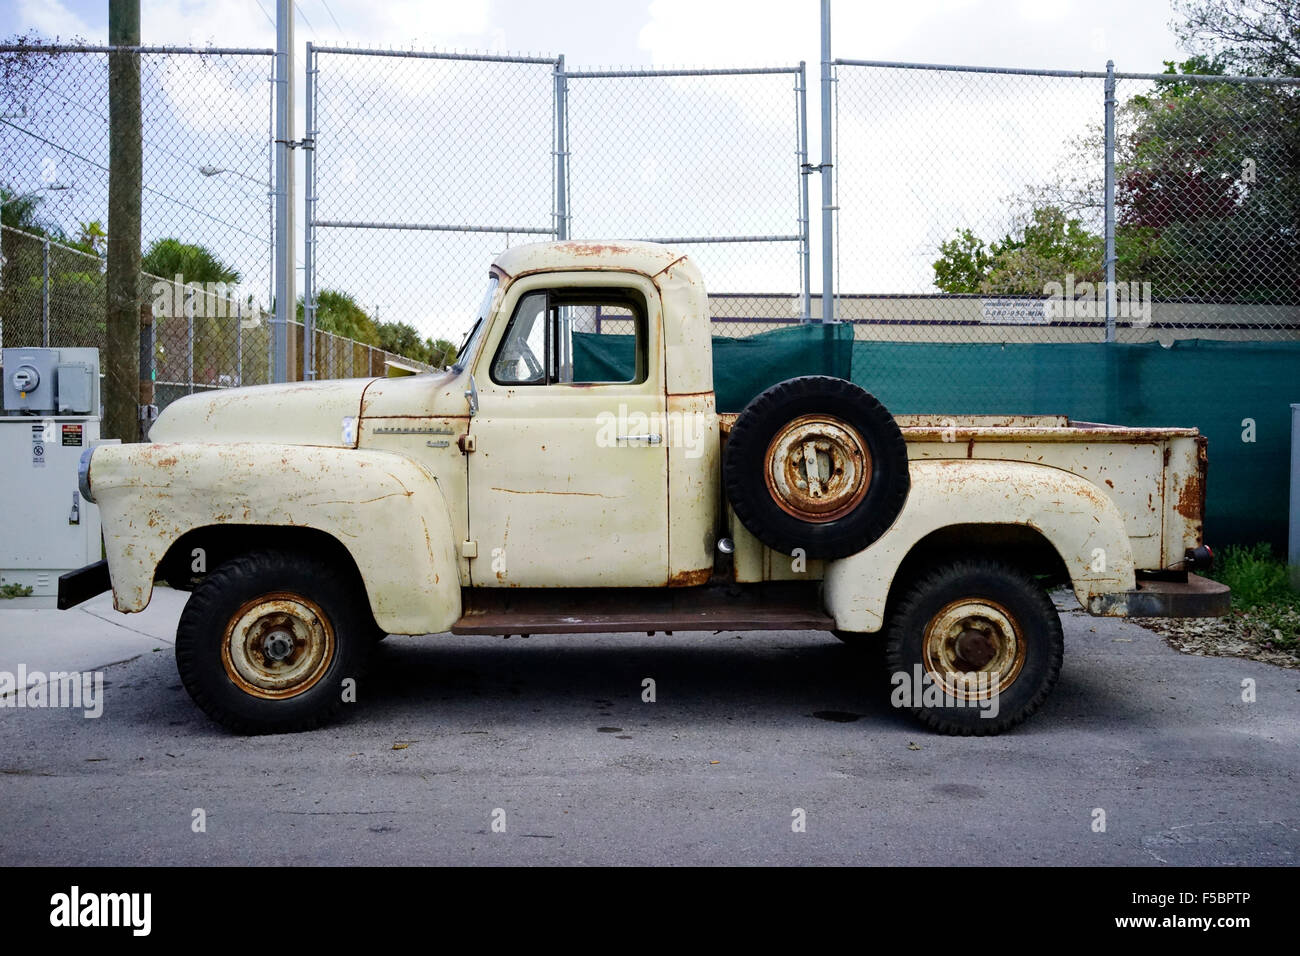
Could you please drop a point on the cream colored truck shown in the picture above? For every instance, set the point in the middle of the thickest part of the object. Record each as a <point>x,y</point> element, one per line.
<point>545,486</point>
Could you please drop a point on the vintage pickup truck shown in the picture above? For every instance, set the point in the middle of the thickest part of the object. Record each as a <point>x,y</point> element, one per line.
<point>549,484</point>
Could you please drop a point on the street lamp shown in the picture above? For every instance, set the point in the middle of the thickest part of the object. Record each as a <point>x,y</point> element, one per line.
<point>53,187</point>
<point>217,171</point>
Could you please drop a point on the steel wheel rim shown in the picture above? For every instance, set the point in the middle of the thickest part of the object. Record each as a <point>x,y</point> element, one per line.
<point>973,649</point>
<point>278,646</point>
<point>838,482</point>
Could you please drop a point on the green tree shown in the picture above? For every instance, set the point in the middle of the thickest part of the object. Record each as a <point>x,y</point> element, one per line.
<point>442,352</point>
<point>76,289</point>
<point>338,313</point>
<point>963,263</point>
<point>92,238</point>
<point>215,315</point>
<point>167,258</point>
<point>1208,188</point>
<point>402,339</point>
<point>1255,37</point>
<point>1047,248</point>
<point>1207,174</point>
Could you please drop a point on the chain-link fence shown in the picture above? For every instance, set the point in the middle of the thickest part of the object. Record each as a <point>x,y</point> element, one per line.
<point>204,334</point>
<point>206,114</point>
<point>973,205</point>
<point>711,162</point>
<point>425,165</point>
<point>421,167</point>
<point>206,213</point>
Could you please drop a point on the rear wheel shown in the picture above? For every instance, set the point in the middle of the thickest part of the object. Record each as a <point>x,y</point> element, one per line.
<point>974,648</point>
<point>267,640</point>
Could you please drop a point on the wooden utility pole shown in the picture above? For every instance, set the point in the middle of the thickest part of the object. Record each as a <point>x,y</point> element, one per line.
<point>121,361</point>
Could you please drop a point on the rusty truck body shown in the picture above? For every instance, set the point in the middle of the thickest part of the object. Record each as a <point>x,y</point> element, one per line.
<point>531,489</point>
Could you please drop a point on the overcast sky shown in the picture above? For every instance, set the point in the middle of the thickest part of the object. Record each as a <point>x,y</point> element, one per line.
<point>1064,34</point>
<point>931,151</point>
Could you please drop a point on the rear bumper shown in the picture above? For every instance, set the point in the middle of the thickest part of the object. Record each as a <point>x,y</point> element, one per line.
<point>83,584</point>
<point>1195,597</point>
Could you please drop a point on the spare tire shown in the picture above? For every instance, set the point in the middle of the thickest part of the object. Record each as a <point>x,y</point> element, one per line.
<point>853,494</point>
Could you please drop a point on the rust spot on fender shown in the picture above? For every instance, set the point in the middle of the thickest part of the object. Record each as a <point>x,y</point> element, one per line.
<point>690,579</point>
<point>1191,497</point>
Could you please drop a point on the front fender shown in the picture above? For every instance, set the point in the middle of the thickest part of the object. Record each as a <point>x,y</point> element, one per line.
<point>384,508</point>
<point>1074,515</point>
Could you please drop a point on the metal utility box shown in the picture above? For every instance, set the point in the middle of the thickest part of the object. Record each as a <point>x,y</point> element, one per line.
<point>49,417</point>
<point>48,381</point>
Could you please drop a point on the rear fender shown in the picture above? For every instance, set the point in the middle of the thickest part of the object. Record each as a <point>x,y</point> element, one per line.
<point>1074,515</point>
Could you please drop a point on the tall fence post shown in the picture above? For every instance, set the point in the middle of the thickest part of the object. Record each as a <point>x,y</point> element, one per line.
<point>805,249</point>
<point>285,299</point>
<point>309,227</point>
<point>828,205</point>
<point>561,150</point>
<point>1293,530</point>
<point>189,341</point>
<point>45,291</point>
<point>239,342</point>
<point>1110,201</point>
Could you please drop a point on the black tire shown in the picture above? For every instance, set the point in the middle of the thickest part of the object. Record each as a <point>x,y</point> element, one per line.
<point>319,591</point>
<point>1006,594</point>
<point>865,508</point>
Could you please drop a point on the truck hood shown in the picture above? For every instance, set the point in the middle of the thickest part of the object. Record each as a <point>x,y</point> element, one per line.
<point>294,413</point>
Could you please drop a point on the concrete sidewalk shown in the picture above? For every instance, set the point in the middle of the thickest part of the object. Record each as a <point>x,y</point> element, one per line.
<point>88,637</point>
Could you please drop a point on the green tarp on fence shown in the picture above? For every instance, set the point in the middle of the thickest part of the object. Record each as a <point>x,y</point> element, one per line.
<point>1214,386</point>
<point>742,367</point>
<point>1210,385</point>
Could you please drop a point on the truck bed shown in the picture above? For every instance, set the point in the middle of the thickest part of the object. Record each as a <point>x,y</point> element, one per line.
<point>1010,428</point>
<point>1155,476</point>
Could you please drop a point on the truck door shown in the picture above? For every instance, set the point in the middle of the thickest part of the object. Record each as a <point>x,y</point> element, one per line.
<point>568,476</point>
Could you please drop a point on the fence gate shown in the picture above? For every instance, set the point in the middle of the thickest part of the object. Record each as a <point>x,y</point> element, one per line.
<point>421,167</point>
<point>712,162</point>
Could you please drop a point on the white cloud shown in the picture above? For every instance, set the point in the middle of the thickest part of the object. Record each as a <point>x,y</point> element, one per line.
<point>360,22</point>
<point>51,18</point>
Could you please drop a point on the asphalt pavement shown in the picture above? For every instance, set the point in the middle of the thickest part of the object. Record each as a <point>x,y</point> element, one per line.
<point>765,747</point>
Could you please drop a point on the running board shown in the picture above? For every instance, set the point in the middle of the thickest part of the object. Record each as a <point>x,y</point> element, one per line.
<point>762,607</point>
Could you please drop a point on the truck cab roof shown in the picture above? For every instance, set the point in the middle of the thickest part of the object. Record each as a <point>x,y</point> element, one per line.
<point>648,258</point>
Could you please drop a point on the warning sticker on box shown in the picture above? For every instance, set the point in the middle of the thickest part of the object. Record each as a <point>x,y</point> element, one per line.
<point>72,436</point>
<point>38,446</point>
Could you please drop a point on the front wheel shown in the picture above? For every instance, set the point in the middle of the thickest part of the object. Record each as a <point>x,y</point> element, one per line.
<point>268,641</point>
<point>974,648</point>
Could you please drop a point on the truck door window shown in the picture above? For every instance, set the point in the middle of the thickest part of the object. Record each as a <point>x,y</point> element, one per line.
<point>575,336</point>
<point>522,357</point>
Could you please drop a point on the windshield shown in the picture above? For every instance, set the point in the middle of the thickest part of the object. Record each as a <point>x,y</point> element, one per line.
<point>467,348</point>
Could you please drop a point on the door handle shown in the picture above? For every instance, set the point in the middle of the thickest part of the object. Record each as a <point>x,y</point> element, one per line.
<point>652,439</point>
